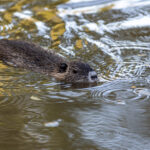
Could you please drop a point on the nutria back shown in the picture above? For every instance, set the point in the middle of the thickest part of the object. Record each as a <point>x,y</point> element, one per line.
<point>30,56</point>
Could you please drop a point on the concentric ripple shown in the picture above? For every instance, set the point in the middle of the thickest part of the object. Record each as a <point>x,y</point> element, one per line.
<point>121,91</point>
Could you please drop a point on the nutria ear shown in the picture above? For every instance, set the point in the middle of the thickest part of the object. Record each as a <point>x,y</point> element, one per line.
<point>63,67</point>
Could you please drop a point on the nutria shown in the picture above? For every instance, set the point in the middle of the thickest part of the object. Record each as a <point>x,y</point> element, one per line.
<point>31,56</point>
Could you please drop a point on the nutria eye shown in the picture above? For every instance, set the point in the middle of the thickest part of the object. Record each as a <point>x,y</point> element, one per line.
<point>63,67</point>
<point>74,71</point>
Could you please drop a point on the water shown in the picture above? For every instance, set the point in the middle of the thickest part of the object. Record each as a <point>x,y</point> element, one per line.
<point>36,112</point>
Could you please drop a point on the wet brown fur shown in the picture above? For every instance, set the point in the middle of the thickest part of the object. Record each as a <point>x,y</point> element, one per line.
<point>31,56</point>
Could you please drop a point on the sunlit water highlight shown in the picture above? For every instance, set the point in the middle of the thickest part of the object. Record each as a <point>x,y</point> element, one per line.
<point>36,112</point>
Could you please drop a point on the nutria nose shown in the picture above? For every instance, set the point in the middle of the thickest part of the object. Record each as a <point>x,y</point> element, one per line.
<point>92,76</point>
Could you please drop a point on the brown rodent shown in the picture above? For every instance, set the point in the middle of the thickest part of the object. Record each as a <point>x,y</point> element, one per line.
<point>31,56</point>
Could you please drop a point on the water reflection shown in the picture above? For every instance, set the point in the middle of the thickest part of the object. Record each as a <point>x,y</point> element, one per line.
<point>116,127</point>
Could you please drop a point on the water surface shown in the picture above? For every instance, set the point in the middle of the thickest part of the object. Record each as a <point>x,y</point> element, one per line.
<point>36,112</point>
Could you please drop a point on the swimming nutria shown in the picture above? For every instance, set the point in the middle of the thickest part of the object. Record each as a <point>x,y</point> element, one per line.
<point>30,56</point>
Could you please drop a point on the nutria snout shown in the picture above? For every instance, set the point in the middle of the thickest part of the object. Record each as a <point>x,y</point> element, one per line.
<point>76,71</point>
<point>31,56</point>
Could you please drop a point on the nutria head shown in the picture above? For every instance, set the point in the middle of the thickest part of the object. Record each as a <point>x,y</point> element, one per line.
<point>75,71</point>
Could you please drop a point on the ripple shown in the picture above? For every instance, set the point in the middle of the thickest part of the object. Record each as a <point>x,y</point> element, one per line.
<point>121,92</point>
<point>18,101</point>
<point>142,91</point>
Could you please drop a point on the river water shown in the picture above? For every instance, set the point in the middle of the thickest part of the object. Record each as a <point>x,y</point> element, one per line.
<point>113,36</point>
